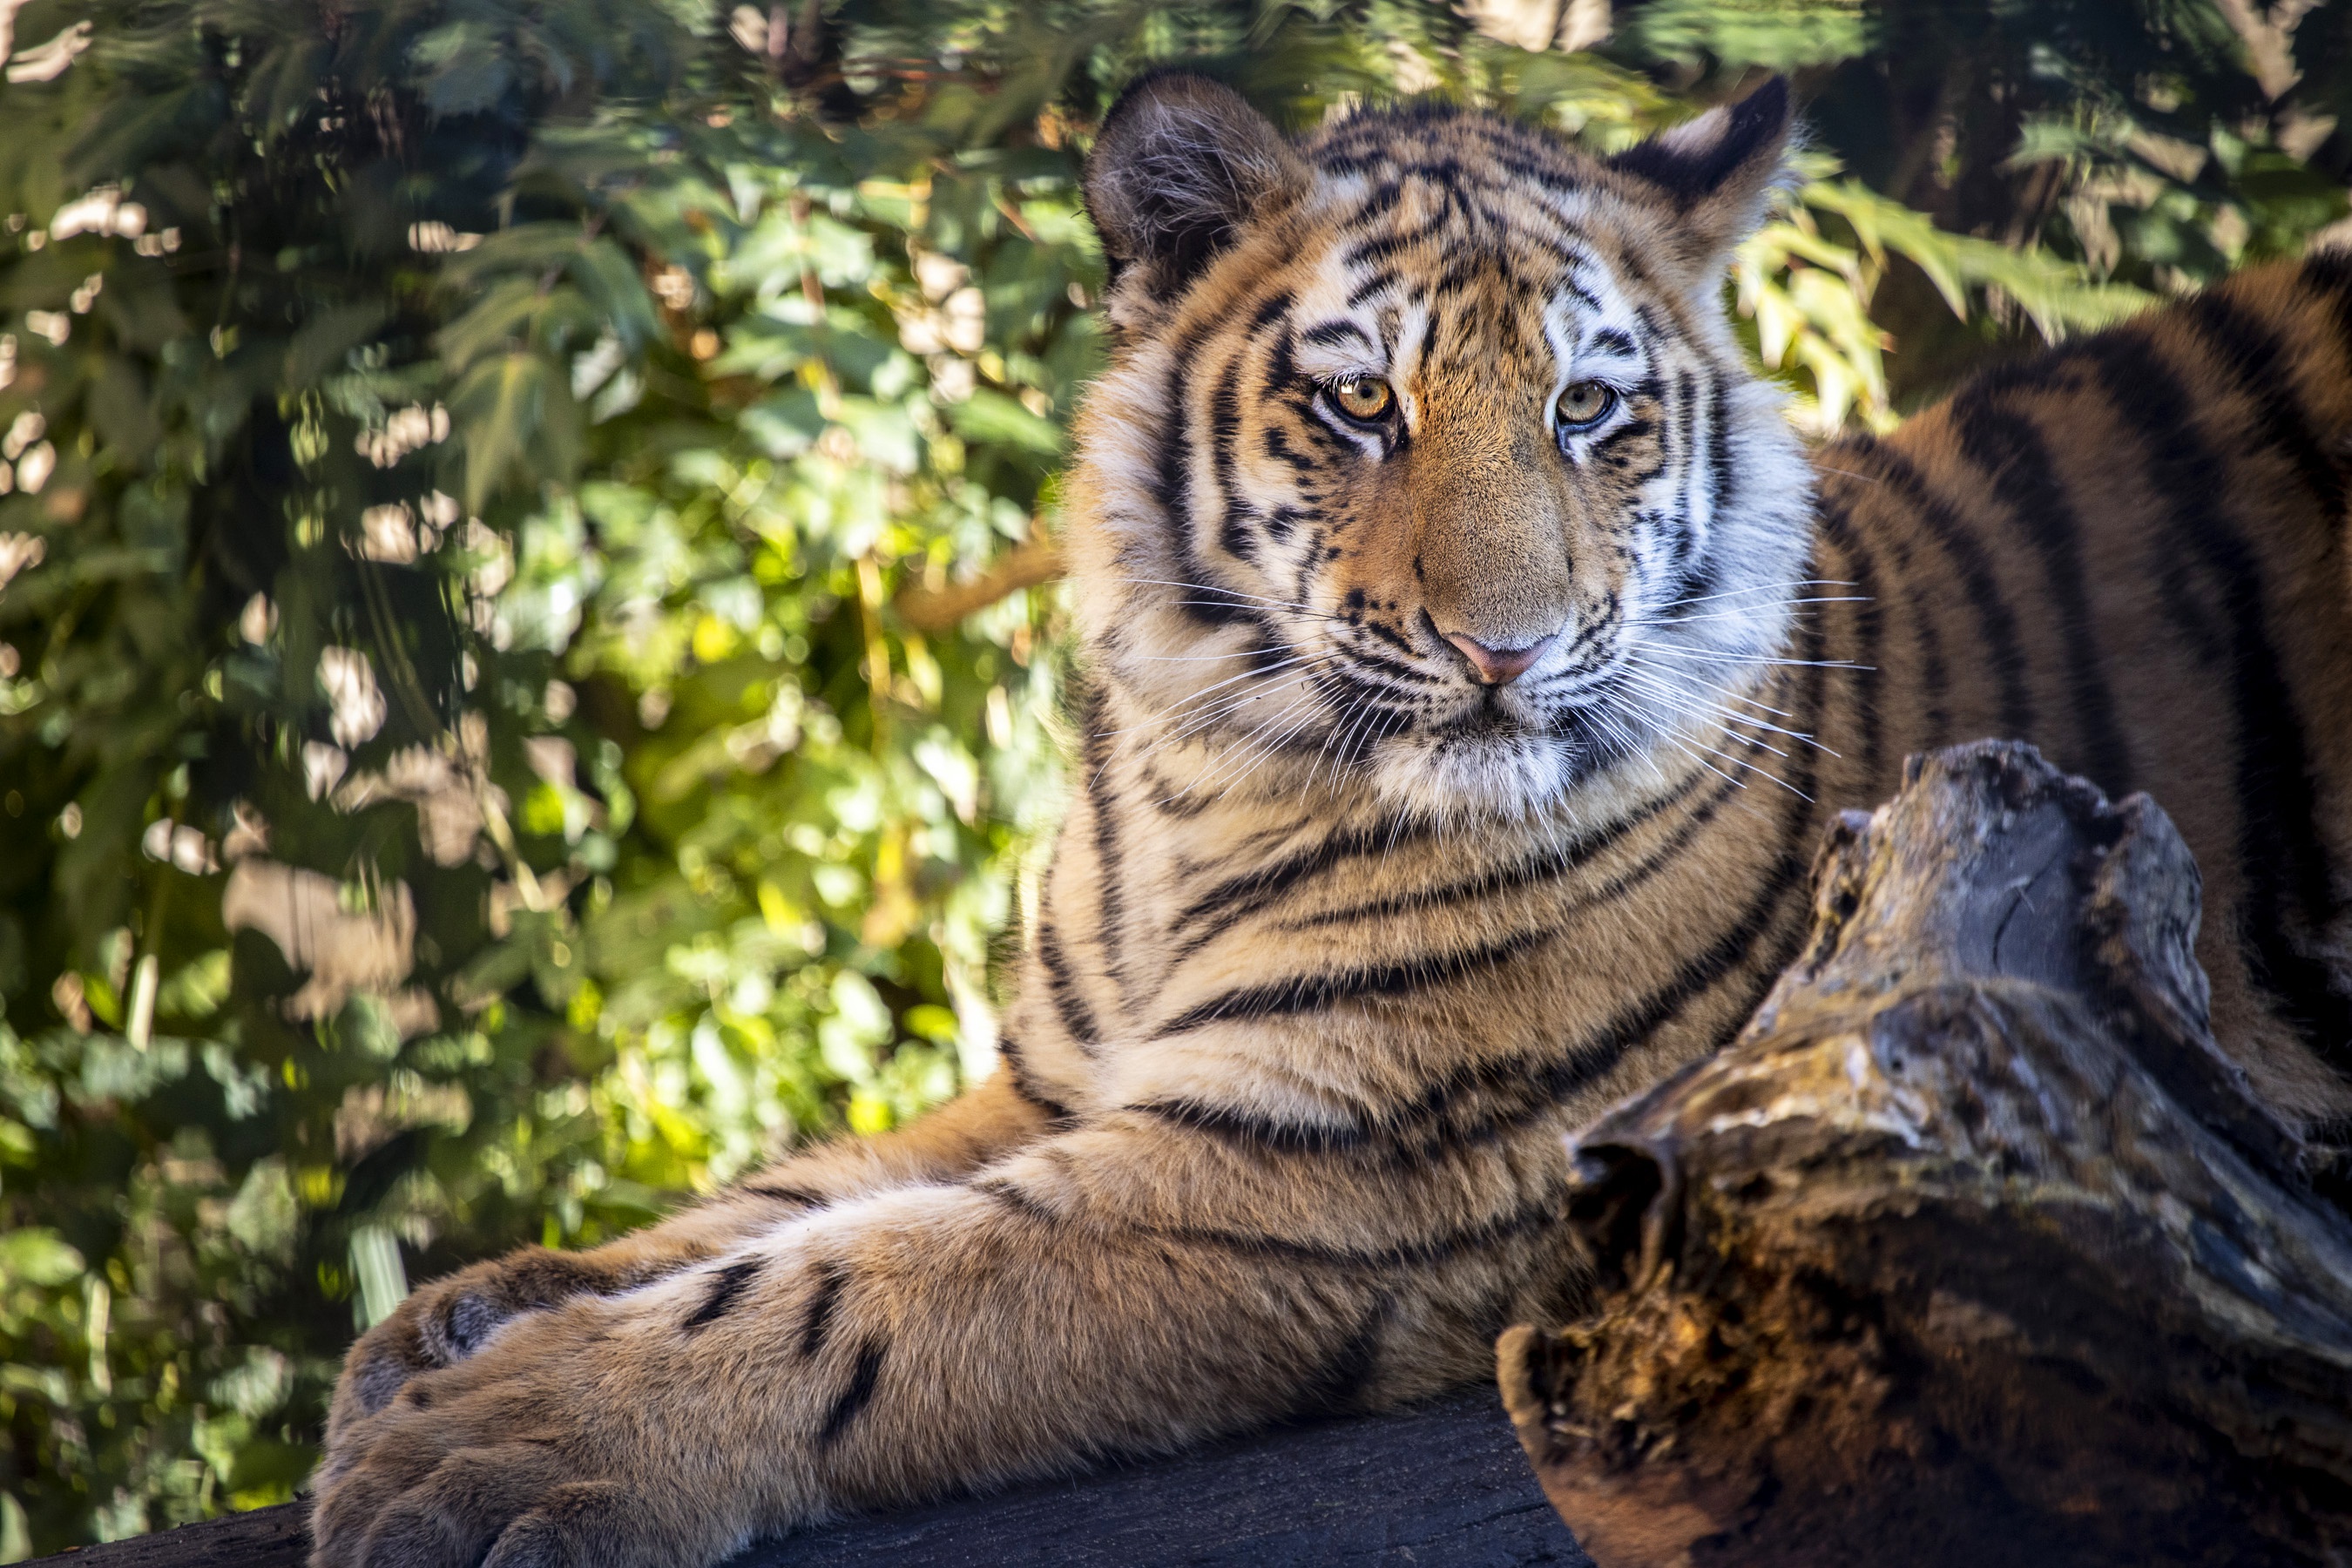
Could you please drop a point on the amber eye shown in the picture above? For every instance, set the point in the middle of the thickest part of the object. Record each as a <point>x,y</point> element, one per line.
<point>1585,403</point>
<point>1363,398</point>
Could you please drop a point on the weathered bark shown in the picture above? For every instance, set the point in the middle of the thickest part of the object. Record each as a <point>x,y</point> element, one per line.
<point>1973,1249</point>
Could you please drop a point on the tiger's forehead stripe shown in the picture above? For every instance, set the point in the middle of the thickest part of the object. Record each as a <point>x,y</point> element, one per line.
<point>1411,220</point>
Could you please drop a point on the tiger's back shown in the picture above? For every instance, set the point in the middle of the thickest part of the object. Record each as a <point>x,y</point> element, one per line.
<point>2132,551</point>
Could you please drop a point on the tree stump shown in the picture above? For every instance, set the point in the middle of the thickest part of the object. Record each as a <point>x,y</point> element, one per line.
<point>1973,1249</point>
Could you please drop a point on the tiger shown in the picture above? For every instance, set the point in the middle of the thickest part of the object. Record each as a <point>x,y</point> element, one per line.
<point>1469,655</point>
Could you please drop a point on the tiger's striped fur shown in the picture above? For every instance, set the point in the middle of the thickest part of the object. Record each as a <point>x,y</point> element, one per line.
<point>1340,939</point>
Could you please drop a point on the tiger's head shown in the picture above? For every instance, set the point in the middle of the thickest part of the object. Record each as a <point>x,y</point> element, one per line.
<point>1426,456</point>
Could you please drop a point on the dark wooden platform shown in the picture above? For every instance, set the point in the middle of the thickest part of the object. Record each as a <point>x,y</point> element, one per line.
<point>1444,1487</point>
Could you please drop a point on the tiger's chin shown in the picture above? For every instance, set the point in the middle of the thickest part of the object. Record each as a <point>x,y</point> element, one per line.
<point>1486,773</point>
<point>1499,765</point>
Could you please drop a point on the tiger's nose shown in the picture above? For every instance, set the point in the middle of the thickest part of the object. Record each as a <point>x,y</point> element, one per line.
<point>1499,666</point>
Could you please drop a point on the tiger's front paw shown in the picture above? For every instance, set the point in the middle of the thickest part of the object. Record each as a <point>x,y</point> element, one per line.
<point>552,1447</point>
<point>442,1323</point>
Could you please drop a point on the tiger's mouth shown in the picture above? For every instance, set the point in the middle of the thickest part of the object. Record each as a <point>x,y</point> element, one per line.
<point>1488,718</point>
<point>1509,757</point>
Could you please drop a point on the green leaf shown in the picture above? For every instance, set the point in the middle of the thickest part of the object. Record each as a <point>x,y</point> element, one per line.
<point>521,428</point>
<point>465,69</point>
<point>118,406</point>
<point>328,336</point>
<point>1778,35</point>
<point>988,416</point>
<point>38,1257</point>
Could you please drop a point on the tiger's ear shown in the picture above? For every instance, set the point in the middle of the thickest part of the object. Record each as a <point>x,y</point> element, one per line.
<point>1718,171</point>
<point>1181,165</point>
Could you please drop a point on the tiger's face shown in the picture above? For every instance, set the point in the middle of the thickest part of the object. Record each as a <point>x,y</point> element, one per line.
<point>1427,458</point>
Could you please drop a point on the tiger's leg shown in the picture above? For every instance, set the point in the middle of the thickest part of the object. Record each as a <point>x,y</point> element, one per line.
<point>1112,1289</point>
<point>443,1322</point>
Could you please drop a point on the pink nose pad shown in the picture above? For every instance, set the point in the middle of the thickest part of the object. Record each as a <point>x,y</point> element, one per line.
<point>1499,666</point>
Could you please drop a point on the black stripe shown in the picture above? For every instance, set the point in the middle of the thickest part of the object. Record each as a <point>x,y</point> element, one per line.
<point>1008,1193</point>
<point>1466,268</point>
<point>855,1397</point>
<point>1316,993</point>
<point>1234,513</point>
<point>1858,566</point>
<point>1111,892</point>
<point>1567,280</point>
<point>1077,1019</point>
<point>1331,335</point>
<point>1776,962</point>
<point>1018,1076</point>
<point>2329,274</point>
<point>1282,388</point>
<point>800,1195</point>
<point>1238,897</point>
<point>2008,446</point>
<point>1384,246</point>
<point>1376,206</point>
<point>1469,328</point>
<point>1681,432</point>
<point>2003,649</point>
<point>1935,674</point>
<point>1165,796</point>
<point>1544,177</point>
<point>1250,1129</point>
<point>1335,1387</point>
<point>725,1285</point>
<point>1720,477</point>
<point>1540,1213</point>
<point>831,1278</point>
<point>1277,446</point>
<point>1382,664</point>
<point>2259,364</point>
<point>1171,484</point>
<point>1272,309</point>
<point>1551,865</point>
<point>1634,434</point>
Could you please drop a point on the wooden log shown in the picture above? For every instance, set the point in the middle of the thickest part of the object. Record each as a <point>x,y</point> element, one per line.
<point>1441,1484</point>
<point>1973,1249</point>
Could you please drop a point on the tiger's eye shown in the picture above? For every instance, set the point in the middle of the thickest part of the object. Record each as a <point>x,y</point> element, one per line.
<point>1362,397</point>
<point>1585,403</point>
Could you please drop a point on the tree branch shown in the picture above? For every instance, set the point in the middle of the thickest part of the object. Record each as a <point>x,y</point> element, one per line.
<point>935,610</point>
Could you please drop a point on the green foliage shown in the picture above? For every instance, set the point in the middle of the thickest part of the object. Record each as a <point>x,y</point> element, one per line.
<point>472,770</point>
<point>2146,144</point>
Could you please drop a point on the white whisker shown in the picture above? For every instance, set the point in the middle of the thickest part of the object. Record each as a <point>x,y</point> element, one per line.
<point>1761,588</point>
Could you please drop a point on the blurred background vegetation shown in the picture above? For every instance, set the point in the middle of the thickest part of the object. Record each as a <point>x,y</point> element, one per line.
<point>529,651</point>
